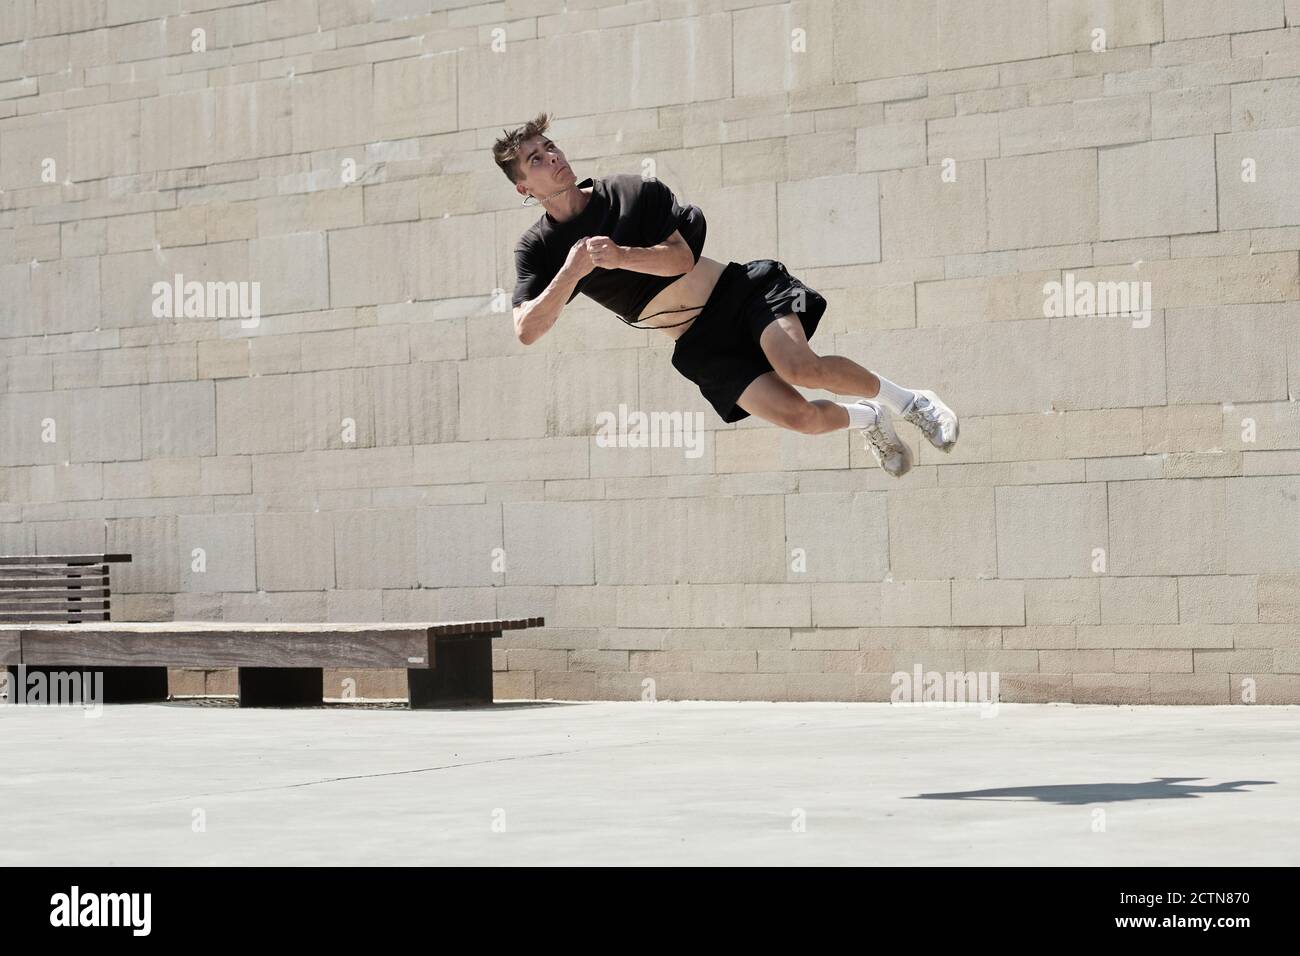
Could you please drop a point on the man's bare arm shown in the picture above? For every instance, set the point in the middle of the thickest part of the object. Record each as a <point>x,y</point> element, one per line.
<point>672,257</point>
<point>535,317</point>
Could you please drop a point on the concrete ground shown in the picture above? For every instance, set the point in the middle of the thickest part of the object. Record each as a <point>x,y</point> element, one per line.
<point>650,784</point>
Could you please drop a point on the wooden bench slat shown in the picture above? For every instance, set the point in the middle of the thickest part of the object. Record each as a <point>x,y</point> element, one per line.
<point>61,605</point>
<point>480,627</point>
<point>54,617</point>
<point>76,597</point>
<point>64,594</point>
<point>77,559</point>
<point>75,573</point>
<point>437,627</point>
<point>93,646</point>
<point>10,584</point>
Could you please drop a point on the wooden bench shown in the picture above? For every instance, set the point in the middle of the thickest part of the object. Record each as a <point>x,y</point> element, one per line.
<point>56,587</point>
<point>279,664</point>
<point>55,614</point>
<point>41,588</point>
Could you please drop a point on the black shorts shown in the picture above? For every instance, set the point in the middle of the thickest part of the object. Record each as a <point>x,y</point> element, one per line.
<point>720,351</point>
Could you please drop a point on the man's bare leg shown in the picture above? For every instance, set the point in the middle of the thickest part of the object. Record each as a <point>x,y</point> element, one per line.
<point>789,353</point>
<point>785,346</point>
<point>773,399</point>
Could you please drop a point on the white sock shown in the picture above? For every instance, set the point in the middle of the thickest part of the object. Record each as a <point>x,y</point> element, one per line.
<point>860,416</point>
<point>894,397</point>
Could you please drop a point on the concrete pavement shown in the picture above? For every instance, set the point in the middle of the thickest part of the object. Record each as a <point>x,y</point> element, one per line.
<point>651,783</point>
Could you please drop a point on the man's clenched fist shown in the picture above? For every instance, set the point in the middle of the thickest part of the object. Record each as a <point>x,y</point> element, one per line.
<point>605,252</point>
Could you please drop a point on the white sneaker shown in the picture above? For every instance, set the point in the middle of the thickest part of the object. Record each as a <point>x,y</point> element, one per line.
<point>936,421</point>
<point>894,457</point>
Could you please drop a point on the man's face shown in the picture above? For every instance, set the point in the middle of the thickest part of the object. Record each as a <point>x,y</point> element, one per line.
<point>544,169</point>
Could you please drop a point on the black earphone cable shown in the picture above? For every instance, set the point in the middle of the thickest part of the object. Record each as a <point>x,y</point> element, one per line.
<point>633,322</point>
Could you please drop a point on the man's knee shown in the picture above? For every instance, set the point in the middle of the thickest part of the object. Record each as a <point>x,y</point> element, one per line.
<point>807,418</point>
<point>807,370</point>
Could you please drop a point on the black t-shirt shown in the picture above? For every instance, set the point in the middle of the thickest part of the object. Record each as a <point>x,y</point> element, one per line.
<point>630,210</point>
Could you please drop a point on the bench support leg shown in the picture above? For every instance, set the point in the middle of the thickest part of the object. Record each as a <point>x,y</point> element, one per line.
<point>121,685</point>
<point>280,686</point>
<point>134,685</point>
<point>462,673</point>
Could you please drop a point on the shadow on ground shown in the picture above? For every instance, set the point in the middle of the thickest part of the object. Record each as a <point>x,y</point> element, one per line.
<point>1077,794</point>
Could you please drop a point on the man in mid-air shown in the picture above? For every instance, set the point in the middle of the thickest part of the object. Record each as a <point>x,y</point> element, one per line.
<point>627,243</point>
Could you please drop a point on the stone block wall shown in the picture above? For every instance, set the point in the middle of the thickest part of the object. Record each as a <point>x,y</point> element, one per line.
<point>1120,522</point>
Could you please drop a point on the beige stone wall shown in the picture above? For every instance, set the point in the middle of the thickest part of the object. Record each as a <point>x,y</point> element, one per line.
<point>337,153</point>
